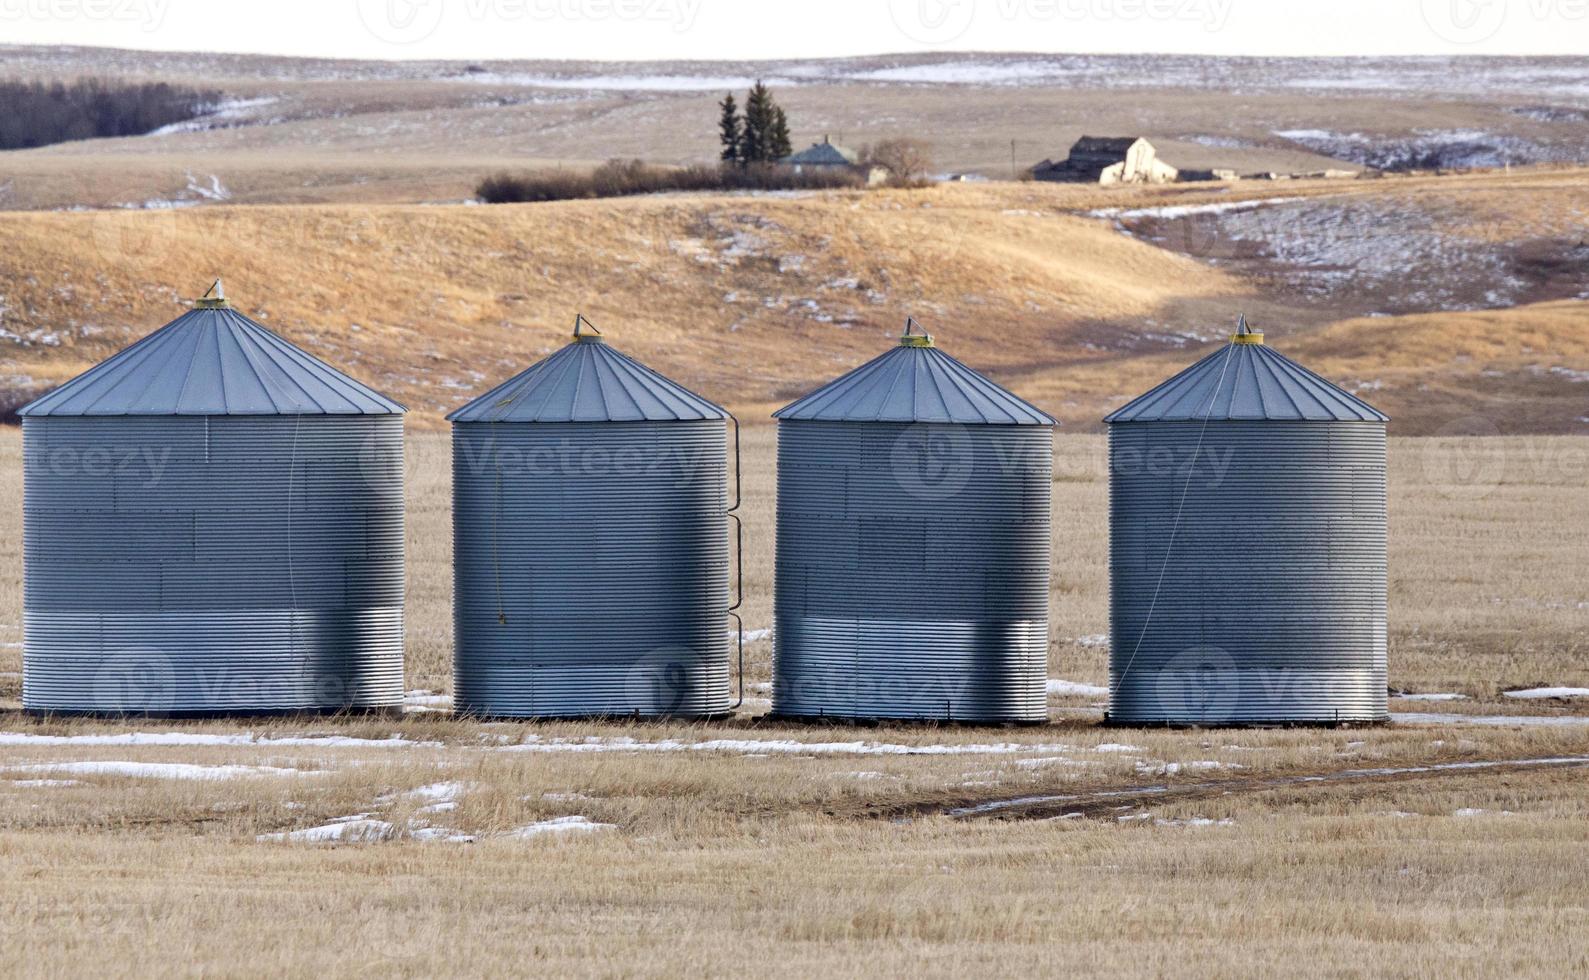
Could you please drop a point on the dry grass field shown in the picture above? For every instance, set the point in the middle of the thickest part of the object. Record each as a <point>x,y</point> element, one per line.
<point>326,131</point>
<point>329,194</point>
<point>753,300</point>
<point>1452,847</point>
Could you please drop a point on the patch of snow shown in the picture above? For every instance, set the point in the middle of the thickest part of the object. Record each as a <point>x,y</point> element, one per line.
<point>1063,687</point>
<point>1116,747</point>
<point>216,191</point>
<point>163,770</point>
<point>1430,697</point>
<point>1469,811</point>
<point>1505,721</point>
<point>1423,150</point>
<point>361,829</point>
<point>1171,768</point>
<point>1196,822</point>
<point>1549,692</point>
<point>756,636</point>
<point>537,743</point>
<point>960,73</point>
<point>559,825</point>
<point>1171,211</point>
<point>222,115</point>
<point>43,782</point>
<point>1049,760</point>
<point>426,702</point>
<point>205,738</point>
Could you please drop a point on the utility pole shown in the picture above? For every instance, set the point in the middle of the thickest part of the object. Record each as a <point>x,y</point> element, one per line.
<point>1012,159</point>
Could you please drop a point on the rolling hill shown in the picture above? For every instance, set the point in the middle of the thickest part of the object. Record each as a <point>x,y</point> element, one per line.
<point>1061,293</point>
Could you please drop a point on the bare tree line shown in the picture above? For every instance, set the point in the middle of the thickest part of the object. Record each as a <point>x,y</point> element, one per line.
<point>41,113</point>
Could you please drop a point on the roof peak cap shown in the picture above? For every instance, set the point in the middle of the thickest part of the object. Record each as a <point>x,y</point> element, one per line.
<point>214,298</point>
<point>910,338</point>
<point>581,325</point>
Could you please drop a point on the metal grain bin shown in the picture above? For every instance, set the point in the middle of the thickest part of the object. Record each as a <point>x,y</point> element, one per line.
<point>590,543</point>
<point>913,546</point>
<point>213,524</point>
<point>1247,547</point>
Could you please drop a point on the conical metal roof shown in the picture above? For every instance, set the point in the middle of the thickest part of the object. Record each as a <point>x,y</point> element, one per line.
<point>211,360</point>
<point>914,382</point>
<point>1247,381</point>
<point>588,381</point>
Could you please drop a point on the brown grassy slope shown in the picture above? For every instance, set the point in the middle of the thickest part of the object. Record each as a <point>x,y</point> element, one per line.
<point>750,299</point>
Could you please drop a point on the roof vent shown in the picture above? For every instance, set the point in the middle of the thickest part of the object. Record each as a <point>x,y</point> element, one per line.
<point>1245,334</point>
<point>913,339</point>
<point>581,325</point>
<point>214,298</point>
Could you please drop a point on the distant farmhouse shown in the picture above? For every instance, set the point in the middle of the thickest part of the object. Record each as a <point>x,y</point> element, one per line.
<point>1109,160</point>
<point>1133,160</point>
<point>828,155</point>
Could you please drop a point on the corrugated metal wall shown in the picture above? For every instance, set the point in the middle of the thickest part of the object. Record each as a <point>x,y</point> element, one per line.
<point>205,565</point>
<point>912,570</point>
<point>1272,605</point>
<point>591,568</point>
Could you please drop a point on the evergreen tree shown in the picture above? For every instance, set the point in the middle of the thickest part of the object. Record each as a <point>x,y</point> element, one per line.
<point>730,129</point>
<point>778,136</point>
<point>753,141</point>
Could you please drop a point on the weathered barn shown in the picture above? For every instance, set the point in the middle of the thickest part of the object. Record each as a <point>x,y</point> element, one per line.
<point>1108,160</point>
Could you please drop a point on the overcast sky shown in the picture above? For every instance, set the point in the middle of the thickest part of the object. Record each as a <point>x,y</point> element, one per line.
<point>737,29</point>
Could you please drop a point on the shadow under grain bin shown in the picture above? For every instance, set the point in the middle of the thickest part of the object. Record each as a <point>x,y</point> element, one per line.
<point>914,500</point>
<point>213,524</point>
<point>590,543</point>
<point>1247,547</point>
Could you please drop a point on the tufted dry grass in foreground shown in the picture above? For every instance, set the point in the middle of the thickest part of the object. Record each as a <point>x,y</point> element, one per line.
<point>669,849</point>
